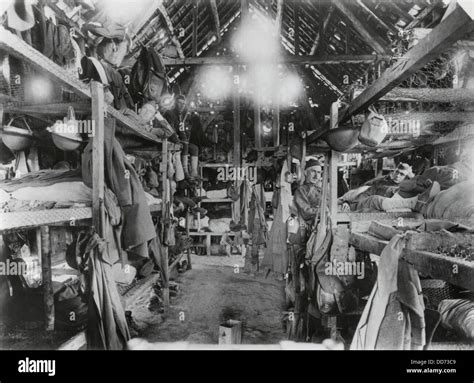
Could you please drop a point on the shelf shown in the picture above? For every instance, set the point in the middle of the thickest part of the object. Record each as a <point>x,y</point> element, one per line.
<point>216,200</point>
<point>437,266</point>
<point>15,46</point>
<point>24,220</point>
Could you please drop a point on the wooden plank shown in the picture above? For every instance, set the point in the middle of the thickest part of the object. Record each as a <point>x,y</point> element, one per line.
<point>376,18</point>
<point>195,27</point>
<point>215,18</point>
<point>279,17</point>
<point>432,116</point>
<point>456,271</point>
<point>422,15</point>
<point>143,19</point>
<point>77,342</point>
<point>296,21</point>
<point>431,241</point>
<point>284,59</point>
<point>367,243</point>
<point>382,231</point>
<point>333,159</point>
<point>98,165</point>
<point>166,216</point>
<point>322,31</point>
<point>170,29</point>
<point>230,332</point>
<point>236,140</point>
<point>453,28</point>
<point>48,296</point>
<point>359,27</point>
<point>439,95</point>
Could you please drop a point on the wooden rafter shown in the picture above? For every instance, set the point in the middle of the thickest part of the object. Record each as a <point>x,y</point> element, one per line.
<point>170,29</point>
<point>322,30</point>
<point>440,95</point>
<point>195,27</point>
<point>297,26</point>
<point>359,27</point>
<point>144,18</point>
<point>279,16</point>
<point>422,15</point>
<point>301,60</point>
<point>453,28</point>
<point>215,17</point>
<point>376,18</point>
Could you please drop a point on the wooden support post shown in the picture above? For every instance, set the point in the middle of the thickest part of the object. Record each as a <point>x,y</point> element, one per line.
<point>276,126</point>
<point>188,251</point>
<point>333,159</point>
<point>237,149</point>
<point>165,215</point>
<point>98,177</point>
<point>208,244</point>
<point>48,296</point>
<point>257,125</point>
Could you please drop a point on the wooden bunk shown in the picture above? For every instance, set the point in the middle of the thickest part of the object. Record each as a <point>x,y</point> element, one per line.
<point>93,102</point>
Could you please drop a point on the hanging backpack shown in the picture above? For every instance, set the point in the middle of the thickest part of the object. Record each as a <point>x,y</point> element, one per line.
<point>374,129</point>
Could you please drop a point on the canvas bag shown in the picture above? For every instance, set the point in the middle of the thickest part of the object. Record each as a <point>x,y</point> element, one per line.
<point>374,129</point>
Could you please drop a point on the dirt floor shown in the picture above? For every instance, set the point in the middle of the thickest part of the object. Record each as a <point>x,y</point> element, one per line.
<point>213,291</point>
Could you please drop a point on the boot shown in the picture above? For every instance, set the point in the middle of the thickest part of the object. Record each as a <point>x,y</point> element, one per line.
<point>194,168</point>
<point>185,163</point>
<point>179,174</point>
<point>426,196</point>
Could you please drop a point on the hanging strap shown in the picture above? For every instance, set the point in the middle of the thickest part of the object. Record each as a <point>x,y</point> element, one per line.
<point>100,70</point>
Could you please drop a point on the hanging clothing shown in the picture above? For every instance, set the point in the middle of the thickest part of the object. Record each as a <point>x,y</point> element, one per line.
<point>276,255</point>
<point>393,317</point>
<point>122,179</point>
<point>107,326</point>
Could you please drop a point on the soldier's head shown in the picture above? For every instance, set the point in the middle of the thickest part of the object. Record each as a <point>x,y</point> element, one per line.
<point>313,172</point>
<point>401,172</point>
<point>180,103</point>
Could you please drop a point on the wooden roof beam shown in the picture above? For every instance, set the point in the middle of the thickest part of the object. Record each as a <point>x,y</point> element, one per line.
<point>388,27</point>
<point>215,17</point>
<point>301,60</point>
<point>422,15</point>
<point>359,27</point>
<point>279,16</point>
<point>453,28</point>
<point>169,27</point>
<point>322,30</point>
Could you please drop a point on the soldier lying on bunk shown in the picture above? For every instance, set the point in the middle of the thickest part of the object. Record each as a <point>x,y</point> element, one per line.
<point>385,186</point>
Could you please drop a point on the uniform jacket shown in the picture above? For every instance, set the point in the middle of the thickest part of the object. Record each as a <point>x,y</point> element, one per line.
<point>393,317</point>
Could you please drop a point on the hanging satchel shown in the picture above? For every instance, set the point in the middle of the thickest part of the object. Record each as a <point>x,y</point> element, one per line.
<point>374,129</point>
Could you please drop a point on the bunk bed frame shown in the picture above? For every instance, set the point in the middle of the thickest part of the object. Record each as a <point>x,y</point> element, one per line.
<point>43,220</point>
